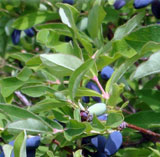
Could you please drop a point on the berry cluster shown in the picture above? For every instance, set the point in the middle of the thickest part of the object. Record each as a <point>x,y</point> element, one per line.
<point>105,146</point>
<point>31,145</point>
<point>138,4</point>
<point>17,33</point>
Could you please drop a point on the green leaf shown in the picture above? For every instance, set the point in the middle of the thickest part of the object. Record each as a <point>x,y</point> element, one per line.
<point>142,36</point>
<point>31,125</point>
<point>36,91</point>
<point>118,73</point>
<point>76,114</point>
<point>152,66</point>
<point>60,28</point>
<point>20,113</point>
<point>24,57</point>
<point>123,48</point>
<point>96,124</point>
<point>20,145</point>
<point>74,128</point>
<point>95,18</point>
<point>114,120</point>
<point>150,97</point>
<point>31,19</point>
<point>145,119</point>
<point>128,27</point>
<point>46,105</point>
<point>77,75</point>
<point>115,95</point>
<point>7,149</point>
<point>63,64</point>
<point>9,85</point>
<point>25,74</point>
<point>68,15</point>
<point>78,153</point>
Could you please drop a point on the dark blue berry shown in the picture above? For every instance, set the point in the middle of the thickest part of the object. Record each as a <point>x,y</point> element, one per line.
<point>71,2</point>
<point>119,4</point>
<point>16,36</point>
<point>113,143</point>
<point>141,3</point>
<point>31,153</point>
<point>107,72</point>
<point>85,99</point>
<point>30,32</point>
<point>33,142</point>
<point>99,154</point>
<point>94,87</point>
<point>99,142</point>
<point>156,8</point>
<point>103,117</point>
<point>68,39</point>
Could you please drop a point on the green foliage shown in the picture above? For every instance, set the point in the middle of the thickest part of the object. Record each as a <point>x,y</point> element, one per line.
<point>72,44</point>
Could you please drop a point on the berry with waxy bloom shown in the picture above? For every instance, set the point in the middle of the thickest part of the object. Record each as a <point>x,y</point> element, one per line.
<point>138,4</point>
<point>119,4</point>
<point>107,72</point>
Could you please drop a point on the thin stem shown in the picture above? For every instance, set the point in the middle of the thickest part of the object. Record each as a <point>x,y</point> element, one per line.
<point>104,94</point>
<point>22,98</point>
<point>142,130</point>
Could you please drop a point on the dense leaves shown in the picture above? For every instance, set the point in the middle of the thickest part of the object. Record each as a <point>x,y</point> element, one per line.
<point>79,78</point>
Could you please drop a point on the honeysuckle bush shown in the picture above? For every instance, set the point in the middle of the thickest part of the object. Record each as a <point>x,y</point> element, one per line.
<point>43,77</point>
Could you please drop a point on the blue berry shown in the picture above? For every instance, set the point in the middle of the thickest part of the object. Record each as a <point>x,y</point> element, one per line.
<point>94,87</point>
<point>33,142</point>
<point>107,72</point>
<point>103,117</point>
<point>156,8</point>
<point>99,154</point>
<point>16,36</point>
<point>113,143</point>
<point>85,99</point>
<point>71,2</point>
<point>141,3</point>
<point>99,142</point>
<point>30,32</point>
<point>119,4</point>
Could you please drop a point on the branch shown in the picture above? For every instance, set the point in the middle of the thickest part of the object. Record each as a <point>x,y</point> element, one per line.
<point>22,98</point>
<point>142,130</point>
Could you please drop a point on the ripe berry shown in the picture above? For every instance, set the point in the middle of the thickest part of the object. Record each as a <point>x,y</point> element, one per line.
<point>113,143</point>
<point>33,142</point>
<point>94,87</point>
<point>85,99</point>
<point>30,32</point>
<point>141,3</point>
<point>71,2</point>
<point>16,36</point>
<point>156,8</point>
<point>99,142</point>
<point>119,4</point>
<point>99,154</point>
<point>107,72</point>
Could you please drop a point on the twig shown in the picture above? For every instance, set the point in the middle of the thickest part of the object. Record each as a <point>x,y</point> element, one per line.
<point>142,130</point>
<point>22,98</point>
<point>104,94</point>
